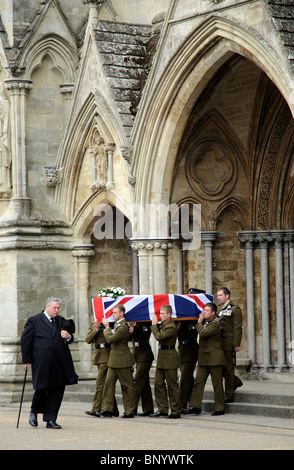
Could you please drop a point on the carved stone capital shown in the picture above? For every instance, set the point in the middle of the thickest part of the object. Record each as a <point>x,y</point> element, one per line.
<point>209,235</point>
<point>98,186</point>
<point>83,251</point>
<point>66,88</point>
<point>150,245</point>
<point>109,147</point>
<point>18,84</point>
<point>265,238</point>
<point>93,2</point>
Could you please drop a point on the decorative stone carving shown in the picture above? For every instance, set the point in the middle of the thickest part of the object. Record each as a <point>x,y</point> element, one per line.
<point>95,2</point>
<point>211,169</point>
<point>127,153</point>
<point>99,154</point>
<point>18,84</point>
<point>269,169</point>
<point>5,154</point>
<point>66,88</point>
<point>51,175</point>
<point>270,238</point>
<point>153,244</point>
<point>83,251</point>
<point>212,219</point>
<point>132,180</point>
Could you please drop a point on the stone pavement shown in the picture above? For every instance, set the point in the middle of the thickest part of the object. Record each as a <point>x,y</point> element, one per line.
<point>117,436</point>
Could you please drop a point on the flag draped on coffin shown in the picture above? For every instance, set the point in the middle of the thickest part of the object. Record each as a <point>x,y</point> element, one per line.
<point>143,307</point>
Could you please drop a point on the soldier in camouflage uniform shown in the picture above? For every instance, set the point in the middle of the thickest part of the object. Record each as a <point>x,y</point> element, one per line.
<point>101,352</point>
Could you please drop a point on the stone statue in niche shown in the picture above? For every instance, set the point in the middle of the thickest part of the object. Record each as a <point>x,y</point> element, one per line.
<point>99,155</point>
<point>5,154</point>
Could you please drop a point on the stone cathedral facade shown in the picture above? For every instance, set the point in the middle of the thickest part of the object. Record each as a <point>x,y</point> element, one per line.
<point>110,109</point>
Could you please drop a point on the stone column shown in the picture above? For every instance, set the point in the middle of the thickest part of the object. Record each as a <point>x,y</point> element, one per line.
<point>279,237</point>
<point>66,89</point>
<point>82,254</point>
<point>291,294</point>
<point>284,272</point>
<point>248,241</point>
<point>93,11</point>
<point>109,148</point>
<point>263,239</point>
<point>208,238</point>
<point>180,271</point>
<point>152,266</point>
<point>135,272</point>
<point>143,267</point>
<point>20,204</point>
<point>160,275</point>
<point>152,260</point>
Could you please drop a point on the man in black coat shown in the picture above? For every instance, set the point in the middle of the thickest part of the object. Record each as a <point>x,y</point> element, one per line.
<point>44,346</point>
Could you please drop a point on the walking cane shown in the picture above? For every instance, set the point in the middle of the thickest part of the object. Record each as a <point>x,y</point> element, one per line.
<point>23,387</point>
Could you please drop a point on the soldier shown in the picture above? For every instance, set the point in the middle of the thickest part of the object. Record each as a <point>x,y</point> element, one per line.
<point>119,364</point>
<point>96,336</point>
<point>230,318</point>
<point>143,356</point>
<point>211,360</point>
<point>188,352</point>
<point>167,365</point>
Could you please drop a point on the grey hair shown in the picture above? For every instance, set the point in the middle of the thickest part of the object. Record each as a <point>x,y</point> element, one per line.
<point>50,300</point>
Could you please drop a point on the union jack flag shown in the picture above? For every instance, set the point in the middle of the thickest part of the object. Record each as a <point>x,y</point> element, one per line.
<point>143,307</point>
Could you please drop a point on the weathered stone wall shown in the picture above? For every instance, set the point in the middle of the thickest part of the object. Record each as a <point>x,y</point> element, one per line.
<point>111,266</point>
<point>28,278</point>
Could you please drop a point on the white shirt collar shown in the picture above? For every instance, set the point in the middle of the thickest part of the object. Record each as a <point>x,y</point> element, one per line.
<point>46,315</point>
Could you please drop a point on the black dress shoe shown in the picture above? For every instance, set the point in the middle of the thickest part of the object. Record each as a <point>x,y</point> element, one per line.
<point>127,415</point>
<point>145,413</point>
<point>157,414</point>
<point>191,410</point>
<point>93,413</point>
<point>105,414</point>
<point>173,416</point>
<point>52,425</point>
<point>217,413</point>
<point>229,400</point>
<point>33,419</point>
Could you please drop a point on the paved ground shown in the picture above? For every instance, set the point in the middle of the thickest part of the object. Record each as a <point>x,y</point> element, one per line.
<point>188,434</point>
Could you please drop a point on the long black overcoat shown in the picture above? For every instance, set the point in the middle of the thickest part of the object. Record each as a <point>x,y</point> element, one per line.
<point>44,348</point>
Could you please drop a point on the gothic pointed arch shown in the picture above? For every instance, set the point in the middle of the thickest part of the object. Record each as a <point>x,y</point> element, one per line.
<point>167,111</point>
<point>239,209</point>
<point>288,210</point>
<point>206,223</point>
<point>64,56</point>
<point>93,119</point>
<point>83,224</point>
<point>272,148</point>
<point>71,156</point>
